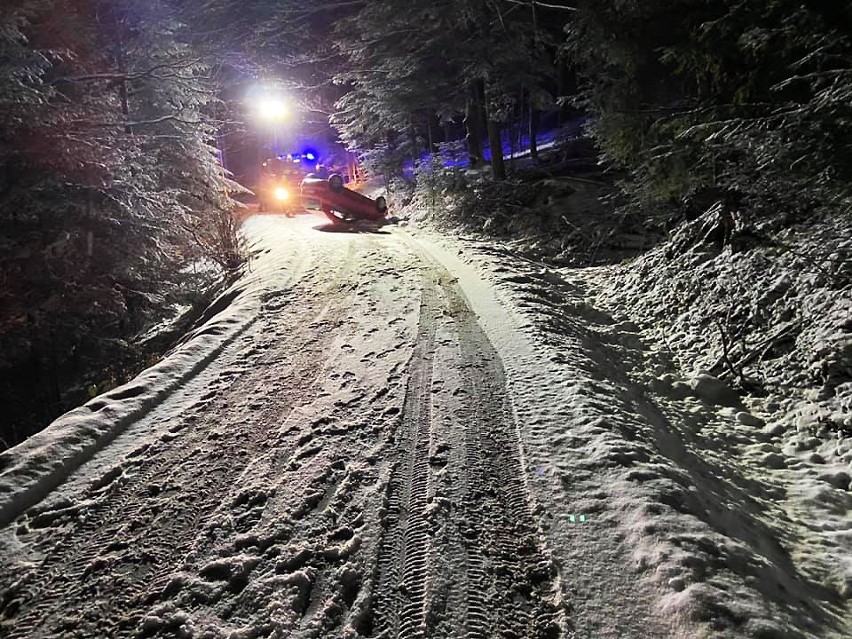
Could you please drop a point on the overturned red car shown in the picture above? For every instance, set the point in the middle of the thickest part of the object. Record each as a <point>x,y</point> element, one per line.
<point>340,205</point>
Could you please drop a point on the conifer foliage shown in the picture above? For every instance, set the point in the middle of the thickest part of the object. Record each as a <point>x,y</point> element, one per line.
<point>744,99</point>
<point>410,67</point>
<point>109,189</point>
<point>109,185</point>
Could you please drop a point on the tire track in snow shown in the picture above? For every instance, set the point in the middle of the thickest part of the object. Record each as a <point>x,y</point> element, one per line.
<point>402,570</point>
<point>459,604</point>
<point>461,533</point>
<point>500,580</point>
<point>511,579</point>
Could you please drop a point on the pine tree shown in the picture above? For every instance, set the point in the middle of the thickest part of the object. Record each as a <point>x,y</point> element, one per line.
<point>742,99</point>
<point>110,187</point>
<point>444,60</point>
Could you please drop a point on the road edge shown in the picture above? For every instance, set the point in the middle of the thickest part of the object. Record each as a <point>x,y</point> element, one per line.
<point>36,466</point>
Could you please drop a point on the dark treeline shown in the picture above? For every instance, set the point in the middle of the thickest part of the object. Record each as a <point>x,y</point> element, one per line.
<point>744,100</point>
<point>110,186</point>
<point>109,191</point>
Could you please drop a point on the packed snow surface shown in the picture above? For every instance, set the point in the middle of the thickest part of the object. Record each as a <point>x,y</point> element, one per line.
<point>383,433</point>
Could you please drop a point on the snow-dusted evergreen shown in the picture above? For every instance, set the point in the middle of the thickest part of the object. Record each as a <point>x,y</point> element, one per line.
<point>110,189</point>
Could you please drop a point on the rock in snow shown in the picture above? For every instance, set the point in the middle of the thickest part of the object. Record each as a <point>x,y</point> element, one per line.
<point>714,391</point>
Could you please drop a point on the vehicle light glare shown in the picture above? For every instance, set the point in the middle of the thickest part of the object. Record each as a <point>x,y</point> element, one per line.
<point>272,109</point>
<point>281,193</point>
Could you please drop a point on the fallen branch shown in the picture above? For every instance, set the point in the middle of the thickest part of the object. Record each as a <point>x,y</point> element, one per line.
<point>767,344</point>
<point>726,354</point>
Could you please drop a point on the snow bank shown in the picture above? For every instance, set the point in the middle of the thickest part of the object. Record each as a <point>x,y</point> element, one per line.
<point>727,523</point>
<point>30,470</point>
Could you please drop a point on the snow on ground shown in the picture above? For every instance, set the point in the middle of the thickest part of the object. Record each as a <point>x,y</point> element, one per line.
<point>740,529</point>
<point>333,471</point>
<point>379,435</point>
<point>31,470</point>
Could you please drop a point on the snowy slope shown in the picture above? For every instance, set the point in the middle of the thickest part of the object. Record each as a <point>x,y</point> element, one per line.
<point>396,434</point>
<point>740,527</point>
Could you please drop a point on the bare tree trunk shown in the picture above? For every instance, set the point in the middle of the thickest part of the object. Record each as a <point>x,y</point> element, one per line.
<point>442,150</point>
<point>519,138</point>
<point>474,130</point>
<point>415,148</point>
<point>498,167</point>
<point>533,122</point>
<point>533,114</point>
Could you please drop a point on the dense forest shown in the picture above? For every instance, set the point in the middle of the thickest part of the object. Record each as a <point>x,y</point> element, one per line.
<point>116,211</point>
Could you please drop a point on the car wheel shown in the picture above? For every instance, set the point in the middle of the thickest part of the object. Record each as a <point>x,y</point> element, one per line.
<point>335,183</point>
<point>381,204</point>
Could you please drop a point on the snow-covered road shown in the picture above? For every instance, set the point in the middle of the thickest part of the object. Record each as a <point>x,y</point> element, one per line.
<point>368,439</point>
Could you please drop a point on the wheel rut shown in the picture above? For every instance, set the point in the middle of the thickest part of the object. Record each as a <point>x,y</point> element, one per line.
<point>402,569</point>
<point>461,554</point>
<point>355,467</point>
